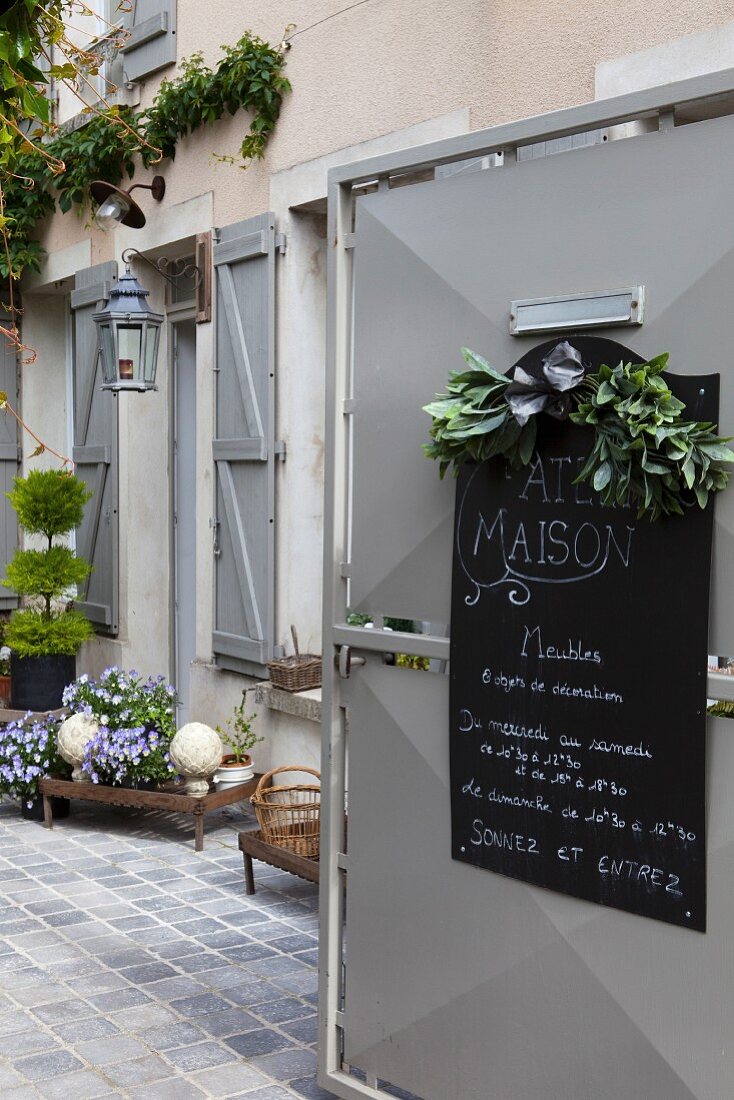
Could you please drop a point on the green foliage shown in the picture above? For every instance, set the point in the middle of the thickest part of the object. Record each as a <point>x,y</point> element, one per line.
<point>722,708</point>
<point>46,573</point>
<point>238,733</point>
<point>32,633</point>
<point>49,502</point>
<point>411,660</point>
<point>472,420</point>
<point>643,455</point>
<point>249,75</point>
<point>102,149</point>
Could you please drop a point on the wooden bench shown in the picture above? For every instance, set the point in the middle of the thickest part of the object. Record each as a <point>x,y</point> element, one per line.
<point>170,797</point>
<point>252,846</point>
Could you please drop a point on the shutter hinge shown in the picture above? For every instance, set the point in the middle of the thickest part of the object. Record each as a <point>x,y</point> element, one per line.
<point>281,242</point>
<point>279,449</point>
<point>348,405</point>
<point>342,861</point>
<point>345,569</point>
<point>214,524</point>
<point>350,240</point>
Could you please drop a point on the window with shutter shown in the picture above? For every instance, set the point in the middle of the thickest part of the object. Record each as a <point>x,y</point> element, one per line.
<point>95,450</point>
<point>9,468</point>
<point>243,447</point>
<point>152,41</point>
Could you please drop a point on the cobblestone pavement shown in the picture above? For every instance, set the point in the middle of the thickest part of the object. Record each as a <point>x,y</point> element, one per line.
<point>132,966</point>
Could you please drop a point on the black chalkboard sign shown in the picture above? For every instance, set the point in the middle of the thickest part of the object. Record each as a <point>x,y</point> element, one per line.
<point>578,677</point>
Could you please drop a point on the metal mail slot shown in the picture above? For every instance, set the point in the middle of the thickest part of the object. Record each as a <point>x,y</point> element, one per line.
<point>575,311</point>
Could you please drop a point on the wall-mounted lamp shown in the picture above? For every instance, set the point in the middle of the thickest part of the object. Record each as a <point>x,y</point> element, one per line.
<point>128,335</point>
<point>116,207</point>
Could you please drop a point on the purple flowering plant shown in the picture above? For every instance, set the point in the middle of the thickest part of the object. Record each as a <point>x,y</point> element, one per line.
<point>136,723</point>
<point>27,753</point>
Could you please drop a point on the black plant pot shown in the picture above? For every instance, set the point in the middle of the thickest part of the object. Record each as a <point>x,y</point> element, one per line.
<point>37,683</point>
<point>34,812</point>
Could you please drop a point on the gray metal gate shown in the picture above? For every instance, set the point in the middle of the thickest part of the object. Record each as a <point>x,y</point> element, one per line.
<point>450,982</point>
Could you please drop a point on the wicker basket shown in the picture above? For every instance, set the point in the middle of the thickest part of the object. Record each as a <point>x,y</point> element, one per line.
<point>298,673</point>
<point>289,816</point>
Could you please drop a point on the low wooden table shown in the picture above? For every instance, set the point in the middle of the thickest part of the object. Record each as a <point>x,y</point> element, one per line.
<point>252,844</point>
<point>170,797</point>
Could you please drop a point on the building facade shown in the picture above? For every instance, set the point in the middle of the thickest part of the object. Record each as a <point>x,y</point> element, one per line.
<point>206,524</point>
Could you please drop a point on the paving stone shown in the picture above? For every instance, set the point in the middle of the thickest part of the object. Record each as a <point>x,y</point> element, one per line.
<point>203,960</point>
<point>138,1072</point>
<point>40,1067</point>
<point>108,1051</point>
<point>119,960</point>
<point>288,1008</point>
<point>27,1042</point>
<point>119,998</point>
<point>9,1079</point>
<point>305,1031</point>
<point>174,1088</point>
<point>74,1086</point>
<point>262,1041</point>
<point>141,1017</point>
<point>230,1022</point>
<point>252,952</point>
<point>223,977</point>
<point>98,983</point>
<point>26,1092</point>
<point>56,920</point>
<point>286,1065</point>
<point>137,921</point>
<point>199,1056</point>
<point>229,1079</point>
<point>252,993</point>
<point>96,1027</point>
<point>150,972</point>
<point>173,1035</point>
<point>309,1088</point>
<point>62,1012</point>
<point>172,988</point>
<point>270,1092</point>
<point>44,993</point>
<point>199,1005</point>
<point>274,967</point>
<point>177,949</point>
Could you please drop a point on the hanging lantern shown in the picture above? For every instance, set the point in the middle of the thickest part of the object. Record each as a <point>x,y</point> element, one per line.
<point>128,335</point>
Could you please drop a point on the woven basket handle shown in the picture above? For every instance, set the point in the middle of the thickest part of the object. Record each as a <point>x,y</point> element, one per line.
<point>265,780</point>
<point>294,636</point>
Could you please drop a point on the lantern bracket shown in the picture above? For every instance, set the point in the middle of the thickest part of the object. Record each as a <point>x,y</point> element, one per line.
<point>169,269</point>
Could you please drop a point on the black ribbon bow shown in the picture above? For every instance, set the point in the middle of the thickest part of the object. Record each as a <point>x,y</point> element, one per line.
<point>546,388</point>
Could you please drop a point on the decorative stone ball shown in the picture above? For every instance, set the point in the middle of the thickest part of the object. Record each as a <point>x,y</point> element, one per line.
<point>196,750</point>
<point>74,734</point>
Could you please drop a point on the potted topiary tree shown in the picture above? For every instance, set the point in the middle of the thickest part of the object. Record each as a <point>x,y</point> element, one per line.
<point>45,636</point>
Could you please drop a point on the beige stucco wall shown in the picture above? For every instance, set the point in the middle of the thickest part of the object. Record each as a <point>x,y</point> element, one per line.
<point>385,66</point>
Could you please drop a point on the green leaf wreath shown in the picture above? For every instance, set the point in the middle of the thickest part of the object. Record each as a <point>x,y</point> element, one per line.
<point>643,454</point>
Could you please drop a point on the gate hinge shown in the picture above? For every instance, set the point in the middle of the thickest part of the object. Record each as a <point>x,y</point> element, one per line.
<point>281,242</point>
<point>345,660</point>
<point>279,449</point>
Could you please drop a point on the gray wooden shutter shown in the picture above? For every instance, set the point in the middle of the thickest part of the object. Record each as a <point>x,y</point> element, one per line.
<point>95,451</point>
<point>9,466</point>
<point>243,447</point>
<point>152,41</point>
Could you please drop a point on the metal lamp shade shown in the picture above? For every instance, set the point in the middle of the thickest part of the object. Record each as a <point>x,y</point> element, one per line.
<point>128,335</point>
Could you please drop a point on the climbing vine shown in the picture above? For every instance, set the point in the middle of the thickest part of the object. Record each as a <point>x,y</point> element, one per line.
<point>249,75</point>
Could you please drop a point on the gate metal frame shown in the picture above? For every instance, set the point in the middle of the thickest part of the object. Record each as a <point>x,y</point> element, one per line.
<point>660,108</point>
